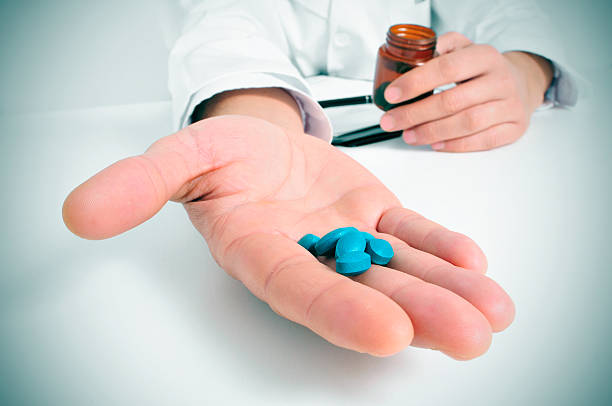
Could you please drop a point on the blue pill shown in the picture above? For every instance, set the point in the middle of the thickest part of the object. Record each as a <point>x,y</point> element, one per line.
<point>380,251</point>
<point>308,241</point>
<point>353,263</point>
<point>350,242</point>
<point>367,236</point>
<point>327,244</point>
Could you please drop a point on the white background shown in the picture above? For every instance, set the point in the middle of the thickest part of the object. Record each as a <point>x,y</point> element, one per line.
<point>148,318</point>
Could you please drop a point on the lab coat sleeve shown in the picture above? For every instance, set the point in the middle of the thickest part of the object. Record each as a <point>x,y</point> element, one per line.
<point>234,45</point>
<point>518,25</point>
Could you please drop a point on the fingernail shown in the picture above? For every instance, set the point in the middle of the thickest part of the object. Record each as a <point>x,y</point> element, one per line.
<point>387,122</point>
<point>438,145</point>
<point>409,137</point>
<point>393,94</point>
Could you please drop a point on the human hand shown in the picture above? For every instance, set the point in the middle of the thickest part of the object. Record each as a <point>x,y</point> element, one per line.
<point>252,190</point>
<point>490,106</point>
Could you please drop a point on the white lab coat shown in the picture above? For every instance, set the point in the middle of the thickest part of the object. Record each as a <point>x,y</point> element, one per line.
<point>226,45</point>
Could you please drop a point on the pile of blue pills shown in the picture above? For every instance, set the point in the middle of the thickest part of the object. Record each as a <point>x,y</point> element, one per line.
<point>355,251</point>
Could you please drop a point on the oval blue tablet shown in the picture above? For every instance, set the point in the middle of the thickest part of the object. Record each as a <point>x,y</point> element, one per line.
<point>308,241</point>
<point>350,242</point>
<point>380,251</point>
<point>327,244</point>
<point>353,263</point>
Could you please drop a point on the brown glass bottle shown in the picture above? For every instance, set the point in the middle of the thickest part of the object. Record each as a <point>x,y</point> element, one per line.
<point>407,46</point>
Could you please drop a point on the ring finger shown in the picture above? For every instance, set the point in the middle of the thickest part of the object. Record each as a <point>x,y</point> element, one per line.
<point>467,122</point>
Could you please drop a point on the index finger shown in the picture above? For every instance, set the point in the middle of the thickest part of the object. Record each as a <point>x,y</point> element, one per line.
<point>299,287</point>
<point>463,64</point>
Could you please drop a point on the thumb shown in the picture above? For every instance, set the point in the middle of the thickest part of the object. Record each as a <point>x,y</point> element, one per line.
<point>131,191</point>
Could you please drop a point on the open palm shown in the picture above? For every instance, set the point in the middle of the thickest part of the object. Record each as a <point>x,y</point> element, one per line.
<point>252,190</point>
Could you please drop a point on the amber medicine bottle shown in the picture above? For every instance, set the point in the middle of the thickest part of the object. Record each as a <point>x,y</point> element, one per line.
<point>407,46</point>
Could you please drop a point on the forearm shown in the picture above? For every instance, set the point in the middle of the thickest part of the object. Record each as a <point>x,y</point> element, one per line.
<point>271,104</point>
<point>537,73</point>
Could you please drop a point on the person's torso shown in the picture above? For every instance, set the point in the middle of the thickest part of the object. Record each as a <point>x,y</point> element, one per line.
<point>341,37</point>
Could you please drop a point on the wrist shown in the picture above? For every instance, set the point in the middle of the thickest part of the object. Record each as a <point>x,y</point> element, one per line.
<point>274,105</point>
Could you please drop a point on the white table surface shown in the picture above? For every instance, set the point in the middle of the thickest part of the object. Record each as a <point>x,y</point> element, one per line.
<point>148,318</point>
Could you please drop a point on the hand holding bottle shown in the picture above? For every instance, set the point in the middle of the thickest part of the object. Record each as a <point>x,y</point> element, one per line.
<point>491,105</point>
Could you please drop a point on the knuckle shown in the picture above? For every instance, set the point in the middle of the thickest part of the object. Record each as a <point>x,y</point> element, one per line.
<point>425,133</point>
<point>454,36</point>
<point>451,101</point>
<point>518,109</point>
<point>489,49</point>
<point>491,53</point>
<point>506,82</point>
<point>447,69</point>
<point>474,119</point>
<point>513,110</point>
<point>461,37</point>
<point>405,118</point>
<point>490,140</point>
<point>459,145</point>
<point>447,37</point>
